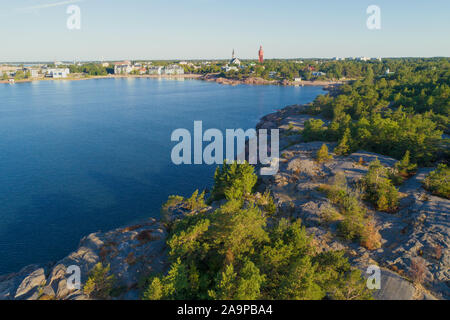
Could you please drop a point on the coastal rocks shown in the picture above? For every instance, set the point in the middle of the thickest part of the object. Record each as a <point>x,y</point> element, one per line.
<point>249,80</point>
<point>10,283</point>
<point>414,256</point>
<point>132,252</point>
<point>30,284</point>
<point>394,287</point>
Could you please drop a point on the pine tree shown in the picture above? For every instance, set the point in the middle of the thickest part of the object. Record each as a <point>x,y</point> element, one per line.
<point>404,167</point>
<point>322,154</point>
<point>154,291</point>
<point>343,148</point>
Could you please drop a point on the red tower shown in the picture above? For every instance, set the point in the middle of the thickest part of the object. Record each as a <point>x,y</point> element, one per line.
<point>261,54</point>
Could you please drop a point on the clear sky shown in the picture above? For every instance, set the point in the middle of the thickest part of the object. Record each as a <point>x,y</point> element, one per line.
<point>32,30</point>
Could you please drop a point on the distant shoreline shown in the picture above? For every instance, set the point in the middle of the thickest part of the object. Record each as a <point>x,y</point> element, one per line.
<point>207,77</point>
<point>111,76</point>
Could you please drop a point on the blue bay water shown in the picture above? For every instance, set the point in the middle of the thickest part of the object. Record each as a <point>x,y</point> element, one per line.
<point>78,157</point>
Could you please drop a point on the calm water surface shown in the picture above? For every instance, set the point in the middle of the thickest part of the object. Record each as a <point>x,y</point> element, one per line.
<point>83,156</point>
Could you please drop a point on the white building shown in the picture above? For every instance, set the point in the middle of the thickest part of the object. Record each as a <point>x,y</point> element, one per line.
<point>172,69</point>
<point>157,70</point>
<point>235,60</point>
<point>228,68</point>
<point>57,73</point>
<point>34,73</point>
<point>123,67</point>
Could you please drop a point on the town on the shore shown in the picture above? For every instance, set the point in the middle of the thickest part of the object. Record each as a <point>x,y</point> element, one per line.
<point>293,70</point>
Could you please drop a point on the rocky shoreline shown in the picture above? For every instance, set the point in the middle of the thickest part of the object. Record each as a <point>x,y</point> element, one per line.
<point>420,229</point>
<point>260,81</point>
<point>208,77</point>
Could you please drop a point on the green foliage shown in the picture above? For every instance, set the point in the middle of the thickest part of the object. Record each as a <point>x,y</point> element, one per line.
<point>438,181</point>
<point>91,69</point>
<point>403,169</point>
<point>196,201</point>
<point>20,75</point>
<point>379,189</point>
<point>355,224</point>
<point>267,203</point>
<point>244,285</point>
<point>323,155</point>
<point>391,114</point>
<point>232,253</point>
<point>343,147</point>
<point>233,181</point>
<point>99,284</point>
<point>314,130</point>
<point>155,291</point>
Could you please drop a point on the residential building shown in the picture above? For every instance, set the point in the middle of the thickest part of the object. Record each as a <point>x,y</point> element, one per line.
<point>57,73</point>
<point>172,69</point>
<point>123,67</point>
<point>228,68</point>
<point>34,73</point>
<point>156,70</point>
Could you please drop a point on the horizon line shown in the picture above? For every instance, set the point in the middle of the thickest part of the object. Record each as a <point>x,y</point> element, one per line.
<point>219,59</point>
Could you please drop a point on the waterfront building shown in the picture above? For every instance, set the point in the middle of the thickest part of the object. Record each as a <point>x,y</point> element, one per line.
<point>228,68</point>
<point>318,74</point>
<point>123,67</point>
<point>155,70</point>
<point>34,73</point>
<point>173,69</point>
<point>57,73</point>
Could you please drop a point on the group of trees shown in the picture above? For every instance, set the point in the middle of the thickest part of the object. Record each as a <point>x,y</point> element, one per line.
<point>232,252</point>
<point>379,189</point>
<point>353,221</point>
<point>408,110</point>
<point>92,69</point>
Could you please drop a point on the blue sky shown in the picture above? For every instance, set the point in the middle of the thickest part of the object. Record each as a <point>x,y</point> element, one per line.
<point>33,30</point>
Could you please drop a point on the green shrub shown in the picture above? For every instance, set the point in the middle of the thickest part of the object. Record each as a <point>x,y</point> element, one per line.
<point>402,170</point>
<point>314,130</point>
<point>354,224</point>
<point>99,284</point>
<point>438,181</point>
<point>322,154</point>
<point>378,189</point>
<point>233,181</point>
<point>344,145</point>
